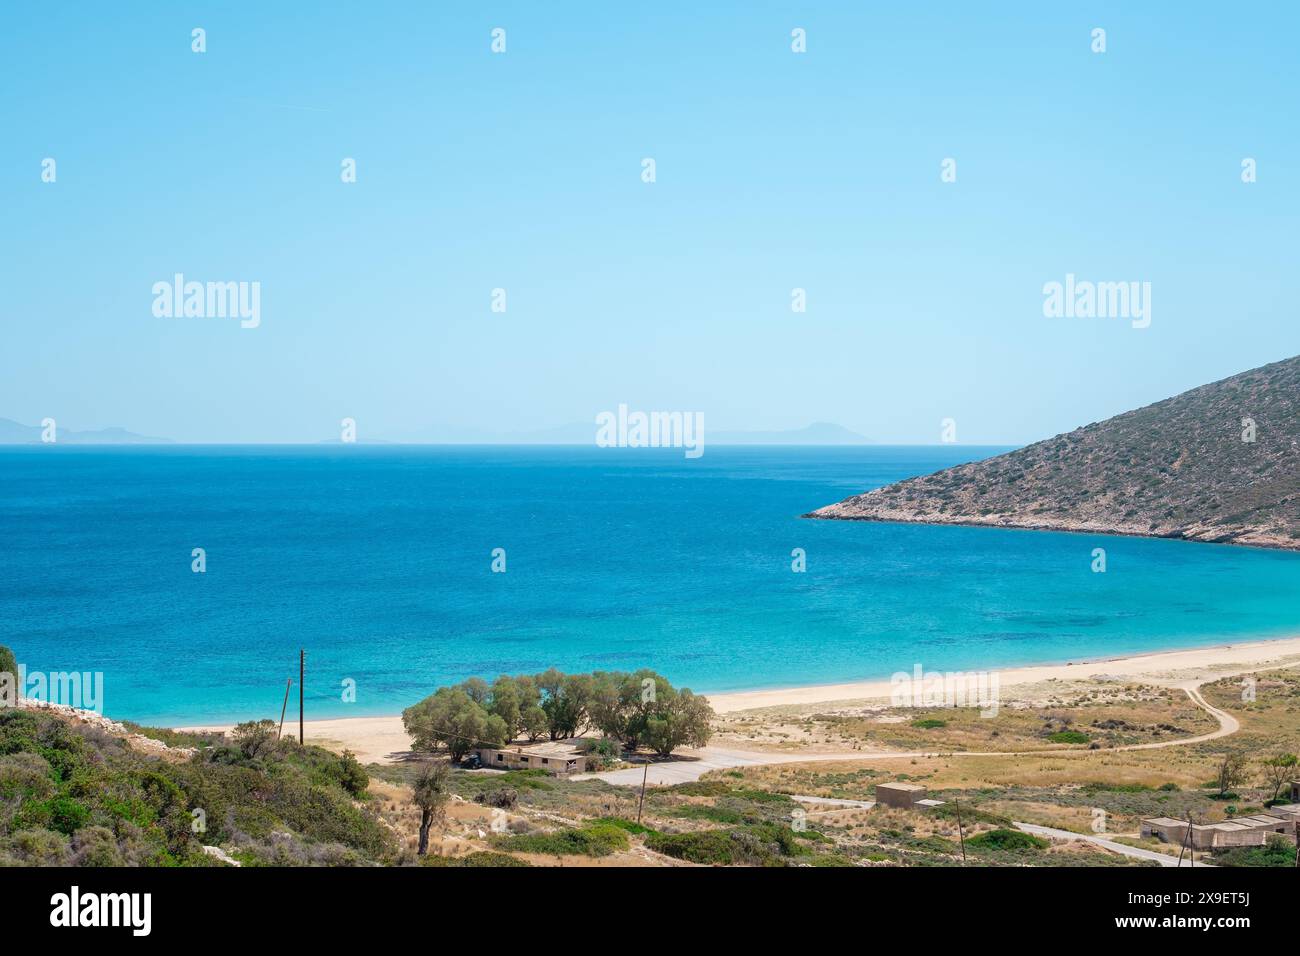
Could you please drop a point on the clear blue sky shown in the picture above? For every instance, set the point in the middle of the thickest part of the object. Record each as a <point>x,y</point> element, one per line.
<point>522,170</point>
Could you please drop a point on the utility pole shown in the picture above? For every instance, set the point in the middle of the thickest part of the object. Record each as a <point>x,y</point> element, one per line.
<point>961,835</point>
<point>641,803</point>
<point>1187,839</point>
<point>302,669</point>
<point>284,708</point>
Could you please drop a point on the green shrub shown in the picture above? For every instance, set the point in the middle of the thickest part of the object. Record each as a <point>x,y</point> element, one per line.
<point>602,752</point>
<point>96,846</point>
<point>38,847</point>
<point>631,826</point>
<point>18,730</point>
<point>25,776</point>
<point>1069,737</point>
<point>1277,852</point>
<point>1003,839</point>
<point>290,804</point>
<point>596,839</point>
<point>714,847</point>
<point>929,723</point>
<point>485,858</point>
<point>969,815</point>
<point>766,844</point>
<point>352,777</point>
<point>8,663</point>
<point>62,814</point>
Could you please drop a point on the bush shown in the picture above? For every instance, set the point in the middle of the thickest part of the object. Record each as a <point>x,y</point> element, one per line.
<point>1003,839</point>
<point>73,794</point>
<point>352,777</point>
<point>713,847</point>
<point>39,848</point>
<point>485,858</point>
<point>596,839</point>
<point>969,814</point>
<point>96,846</point>
<point>602,752</point>
<point>504,798</point>
<point>253,736</point>
<point>25,776</point>
<point>767,844</point>
<point>1277,852</point>
<point>9,664</point>
<point>929,723</point>
<point>62,814</point>
<point>631,826</point>
<point>1069,737</point>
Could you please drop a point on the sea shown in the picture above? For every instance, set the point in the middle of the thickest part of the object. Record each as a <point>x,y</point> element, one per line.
<point>397,569</point>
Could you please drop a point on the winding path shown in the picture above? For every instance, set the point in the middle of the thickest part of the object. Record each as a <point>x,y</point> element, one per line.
<point>1135,852</point>
<point>696,763</point>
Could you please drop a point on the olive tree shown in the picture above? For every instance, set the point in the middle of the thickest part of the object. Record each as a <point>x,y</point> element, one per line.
<point>432,792</point>
<point>451,719</point>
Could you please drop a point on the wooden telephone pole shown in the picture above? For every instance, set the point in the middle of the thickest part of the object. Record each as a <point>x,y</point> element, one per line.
<point>961,834</point>
<point>1187,844</point>
<point>302,669</point>
<point>284,708</point>
<point>641,803</point>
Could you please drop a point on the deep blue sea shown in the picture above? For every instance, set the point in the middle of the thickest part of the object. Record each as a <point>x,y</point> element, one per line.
<point>378,559</point>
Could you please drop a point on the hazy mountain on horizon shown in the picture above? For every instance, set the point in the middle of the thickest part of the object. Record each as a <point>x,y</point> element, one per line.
<point>818,433</point>
<point>16,433</point>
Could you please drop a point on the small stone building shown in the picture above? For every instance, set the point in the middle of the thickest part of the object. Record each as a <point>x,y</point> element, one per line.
<point>1289,811</point>
<point>1239,831</point>
<point>558,758</point>
<point>903,796</point>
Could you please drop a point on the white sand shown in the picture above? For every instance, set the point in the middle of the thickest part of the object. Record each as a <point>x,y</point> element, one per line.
<point>1168,665</point>
<point>383,740</point>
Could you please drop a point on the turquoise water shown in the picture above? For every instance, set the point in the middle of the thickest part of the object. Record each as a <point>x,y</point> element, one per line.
<point>377,561</point>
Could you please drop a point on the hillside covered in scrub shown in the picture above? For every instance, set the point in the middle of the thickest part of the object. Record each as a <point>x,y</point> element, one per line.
<point>1217,463</point>
<point>73,793</point>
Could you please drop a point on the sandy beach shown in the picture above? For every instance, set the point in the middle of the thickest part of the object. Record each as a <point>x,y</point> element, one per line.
<point>383,739</point>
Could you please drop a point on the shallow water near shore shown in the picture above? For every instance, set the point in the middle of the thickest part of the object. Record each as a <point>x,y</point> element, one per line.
<point>378,561</point>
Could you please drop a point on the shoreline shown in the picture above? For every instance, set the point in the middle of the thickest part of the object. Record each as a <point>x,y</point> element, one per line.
<point>382,739</point>
<point>1263,543</point>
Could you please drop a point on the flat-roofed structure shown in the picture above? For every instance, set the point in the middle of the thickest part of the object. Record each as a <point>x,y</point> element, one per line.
<point>1240,831</point>
<point>1166,828</point>
<point>1287,811</point>
<point>903,796</point>
<point>558,758</point>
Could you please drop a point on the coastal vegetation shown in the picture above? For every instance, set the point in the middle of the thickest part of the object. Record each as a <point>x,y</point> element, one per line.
<point>638,709</point>
<point>72,793</point>
<point>595,839</point>
<point>76,791</point>
<point>431,793</point>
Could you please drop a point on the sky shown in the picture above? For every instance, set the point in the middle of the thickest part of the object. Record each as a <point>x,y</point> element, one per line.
<point>522,170</point>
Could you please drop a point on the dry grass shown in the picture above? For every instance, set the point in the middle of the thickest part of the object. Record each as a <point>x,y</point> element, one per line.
<point>1109,714</point>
